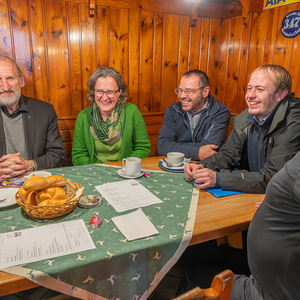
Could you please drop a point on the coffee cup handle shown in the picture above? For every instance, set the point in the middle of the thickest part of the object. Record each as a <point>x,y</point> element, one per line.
<point>123,162</point>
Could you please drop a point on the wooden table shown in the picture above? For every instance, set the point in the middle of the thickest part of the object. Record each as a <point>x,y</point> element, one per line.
<point>216,217</point>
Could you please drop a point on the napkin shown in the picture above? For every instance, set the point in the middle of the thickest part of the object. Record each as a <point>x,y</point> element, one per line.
<point>135,225</point>
<point>218,192</point>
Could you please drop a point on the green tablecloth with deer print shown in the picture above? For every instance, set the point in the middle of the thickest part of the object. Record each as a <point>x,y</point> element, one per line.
<point>117,268</point>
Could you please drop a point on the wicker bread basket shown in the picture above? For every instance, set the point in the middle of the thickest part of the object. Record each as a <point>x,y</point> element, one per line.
<point>49,212</point>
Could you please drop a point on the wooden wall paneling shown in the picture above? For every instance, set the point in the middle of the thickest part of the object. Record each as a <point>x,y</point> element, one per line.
<point>134,56</point>
<point>58,56</point>
<point>257,40</point>
<point>195,38</point>
<point>157,63</point>
<point>223,62</point>
<point>205,31</point>
<point>233,63</point>
<point>119,44</point>
<point>5,38</point>
<point>76,97</point>
<point>22,43</point>
<point>243,65</point>
<point>170,59</point>
<point>184,47</point>
<point>102,36</point>
<point>88,50</point>
<point>146,62</point>
<point>216,57</point>
<point>283,46</point>
<point>272,16</point>
<point>295,63</point>
<point>39,65</point>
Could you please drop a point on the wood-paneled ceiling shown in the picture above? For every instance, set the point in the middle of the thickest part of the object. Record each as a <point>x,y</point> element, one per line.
<point>216,9</point>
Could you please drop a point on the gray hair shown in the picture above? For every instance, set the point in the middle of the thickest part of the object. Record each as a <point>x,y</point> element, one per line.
<point>107,72</point>
<point>5,57</point>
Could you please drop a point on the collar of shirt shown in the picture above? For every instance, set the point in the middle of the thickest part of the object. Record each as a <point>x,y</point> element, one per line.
<point>265,121</point>
<point>22,108</point>
<point>194,118</point>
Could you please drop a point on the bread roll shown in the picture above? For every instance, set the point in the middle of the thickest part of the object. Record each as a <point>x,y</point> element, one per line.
<point>23,195</point>
<point>52,202</point>
<point>35,183</point>
<point>31,199</point>
<point>52,193</point>
<point>56,180</point>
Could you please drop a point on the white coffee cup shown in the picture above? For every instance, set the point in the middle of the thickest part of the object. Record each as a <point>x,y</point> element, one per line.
<point>132,165</point>
<point>175,158</point>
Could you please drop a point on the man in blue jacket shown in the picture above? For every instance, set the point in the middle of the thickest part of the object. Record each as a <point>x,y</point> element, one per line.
<point>197,124</point>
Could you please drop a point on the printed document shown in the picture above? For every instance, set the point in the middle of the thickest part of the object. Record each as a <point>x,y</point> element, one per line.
<point>44,242</point>
<point>127,194</point>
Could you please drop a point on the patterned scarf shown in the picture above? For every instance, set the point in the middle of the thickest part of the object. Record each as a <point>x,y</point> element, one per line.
<point>111,130</point>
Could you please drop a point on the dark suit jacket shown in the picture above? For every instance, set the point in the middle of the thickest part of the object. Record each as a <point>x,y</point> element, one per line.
<point>42,138</point>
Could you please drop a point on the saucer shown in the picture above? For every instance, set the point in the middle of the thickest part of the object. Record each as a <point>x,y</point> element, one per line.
<point>8,193</point>
<point>40,173</point>
<point>178,169</point>
<point>121,172</point>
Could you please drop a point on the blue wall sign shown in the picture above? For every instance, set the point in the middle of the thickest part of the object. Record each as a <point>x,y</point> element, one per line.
<point>290,26</point>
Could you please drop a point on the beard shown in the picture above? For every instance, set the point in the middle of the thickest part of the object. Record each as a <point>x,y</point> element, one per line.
<point>10,100</point>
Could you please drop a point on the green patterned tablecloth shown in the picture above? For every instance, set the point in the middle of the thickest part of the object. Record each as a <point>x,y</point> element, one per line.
<point>116,269</point>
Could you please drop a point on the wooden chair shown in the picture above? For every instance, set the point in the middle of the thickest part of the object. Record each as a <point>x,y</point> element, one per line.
<point>220,289</point>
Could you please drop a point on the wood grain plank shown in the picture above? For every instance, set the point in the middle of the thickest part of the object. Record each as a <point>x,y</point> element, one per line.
<point>216,55</point>
<point>243,63</point>
<point>157,64</point>
<point>119,41</point>
<point>195,39</point>
<point>58,56</point>
<point>5,38</point>
<point>205,37</point>
<point>102,36</point>
<point>88,49</point>
<point>233,63</point>
<point>134,56</point>
<point>76,96</point>
<point>170,59</point>
<point>283,46</point>
<point>39,65</point>
<point>22,49</point>
<point>295,63</point>
<point>184,47</point>
<point>223,62</point>
<point>145,82</point>
<point>257,40</point>
<point>272,16</point>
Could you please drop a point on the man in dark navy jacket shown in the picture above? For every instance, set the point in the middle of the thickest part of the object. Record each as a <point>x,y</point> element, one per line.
<point>197,124</point>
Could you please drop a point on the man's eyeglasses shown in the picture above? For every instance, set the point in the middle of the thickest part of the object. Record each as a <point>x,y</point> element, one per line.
<point>188,92</point>
<point>109,94</point>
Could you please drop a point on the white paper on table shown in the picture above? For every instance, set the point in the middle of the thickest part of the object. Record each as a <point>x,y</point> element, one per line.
<point>127,194</point>
<point>39,243</point>
<point>135,225</point>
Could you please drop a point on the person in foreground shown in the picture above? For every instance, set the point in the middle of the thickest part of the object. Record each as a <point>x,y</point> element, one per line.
<point>197,124</point>
<point>265,136</point>
<point>29,135</point>
<point>273,241</point>
<point>110,129</point>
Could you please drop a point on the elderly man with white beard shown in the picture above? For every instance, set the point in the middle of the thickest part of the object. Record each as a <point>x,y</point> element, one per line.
<point>29,135</point>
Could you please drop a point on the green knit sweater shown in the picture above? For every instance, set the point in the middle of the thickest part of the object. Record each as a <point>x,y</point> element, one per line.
<point>135,141</point>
